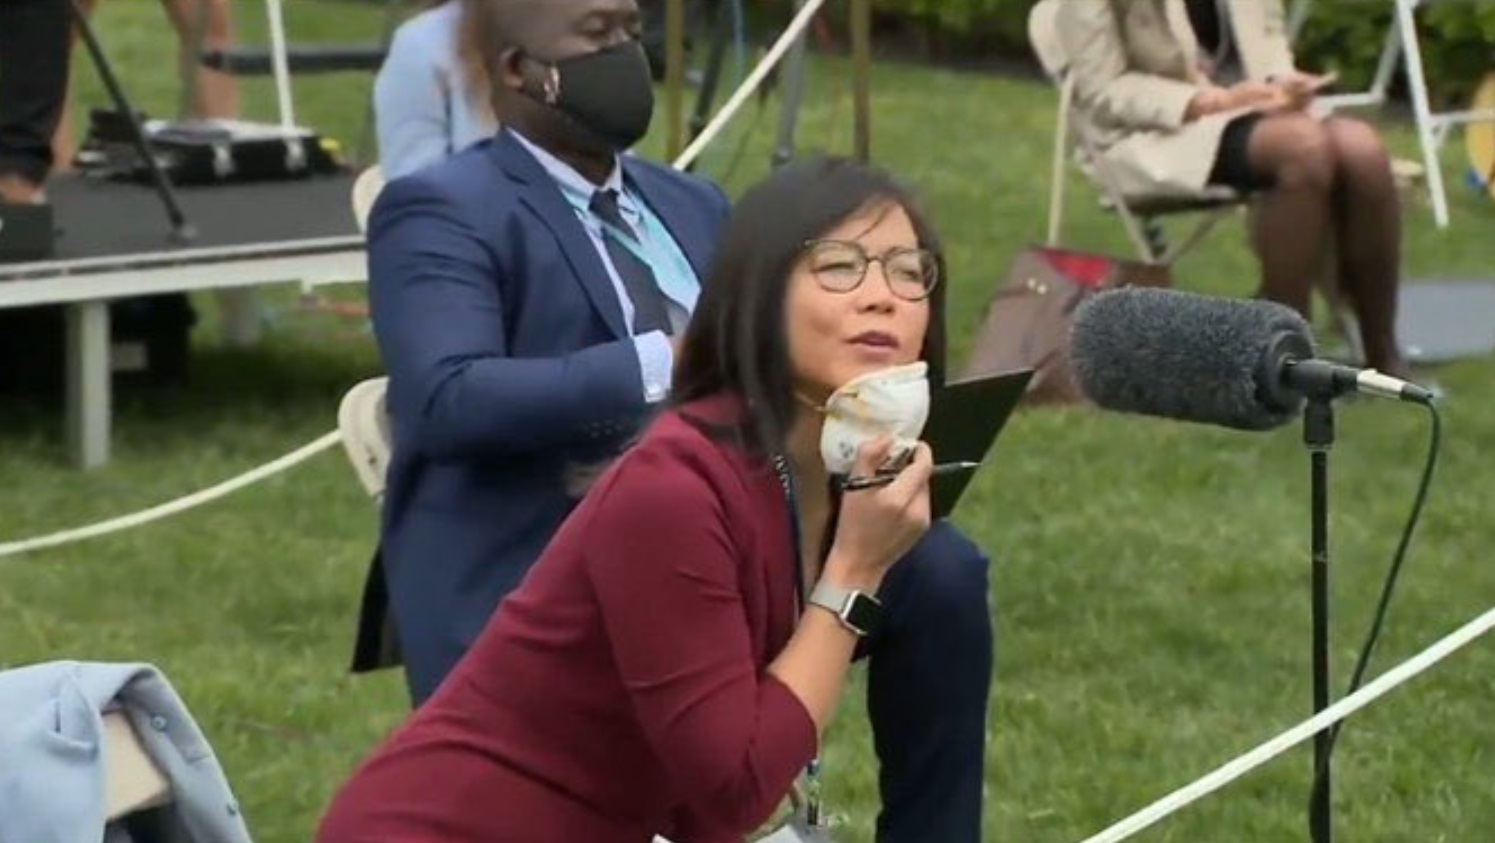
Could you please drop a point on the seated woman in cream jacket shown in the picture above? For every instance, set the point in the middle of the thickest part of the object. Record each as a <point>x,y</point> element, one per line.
<point>1181,95</point>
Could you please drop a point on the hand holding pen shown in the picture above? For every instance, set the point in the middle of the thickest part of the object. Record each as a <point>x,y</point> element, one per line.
<point>877,527</point>
<point>884,477</point>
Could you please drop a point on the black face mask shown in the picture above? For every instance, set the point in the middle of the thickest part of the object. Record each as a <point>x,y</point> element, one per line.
<point>608,94</point>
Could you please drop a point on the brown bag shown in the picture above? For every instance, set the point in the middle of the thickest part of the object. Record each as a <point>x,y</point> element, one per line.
<point>1027,322</point>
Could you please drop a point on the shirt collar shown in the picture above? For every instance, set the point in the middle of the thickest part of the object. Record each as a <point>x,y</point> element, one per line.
<point>572,183</point>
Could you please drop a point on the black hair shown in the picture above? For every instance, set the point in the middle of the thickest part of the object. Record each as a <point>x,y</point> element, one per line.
<point>737,340</point>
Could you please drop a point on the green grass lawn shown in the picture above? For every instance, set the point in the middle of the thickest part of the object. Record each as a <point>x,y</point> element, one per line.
<point>1151,578</point>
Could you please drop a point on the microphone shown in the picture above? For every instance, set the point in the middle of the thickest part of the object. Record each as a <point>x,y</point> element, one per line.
<point>1246,365</point>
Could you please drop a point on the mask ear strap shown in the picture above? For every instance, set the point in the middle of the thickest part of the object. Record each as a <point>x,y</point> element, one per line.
<point>549,84</point>
<point>551,87</point>
<point>805,400</point>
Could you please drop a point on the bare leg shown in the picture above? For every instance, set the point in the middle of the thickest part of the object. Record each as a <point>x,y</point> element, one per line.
<point>64,142</point>
<point>1291,222</point>
<point>215,94</point>
<point>1369,238</point>
<point>65,139</point>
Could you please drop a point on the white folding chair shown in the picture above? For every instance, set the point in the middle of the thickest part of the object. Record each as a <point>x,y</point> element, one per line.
<point>362,417</point>
<point>365,190</point>
<point>1401,46</point>
<point>364,424</point>
<point>1141,216</point>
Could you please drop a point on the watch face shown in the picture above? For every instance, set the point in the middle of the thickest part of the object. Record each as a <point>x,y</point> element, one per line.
<point>863,613</point>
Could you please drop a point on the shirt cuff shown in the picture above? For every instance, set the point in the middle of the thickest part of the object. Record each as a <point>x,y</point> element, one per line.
<point>656,363</point>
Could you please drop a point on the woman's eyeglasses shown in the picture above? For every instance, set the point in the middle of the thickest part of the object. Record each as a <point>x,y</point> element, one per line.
<point>840,266</point>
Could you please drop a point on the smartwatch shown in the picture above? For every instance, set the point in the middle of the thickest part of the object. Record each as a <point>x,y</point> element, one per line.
<point>859,612</point>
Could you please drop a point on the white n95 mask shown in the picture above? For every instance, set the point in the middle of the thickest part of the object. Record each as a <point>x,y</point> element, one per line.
<point>891,401</point>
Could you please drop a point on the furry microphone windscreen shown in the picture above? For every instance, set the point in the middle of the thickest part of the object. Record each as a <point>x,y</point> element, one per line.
<point>1186,356</point>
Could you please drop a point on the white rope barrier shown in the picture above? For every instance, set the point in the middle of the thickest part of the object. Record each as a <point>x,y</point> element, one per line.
<point>1244,764</point>
<point>155,513</point>
<point>775,53</point>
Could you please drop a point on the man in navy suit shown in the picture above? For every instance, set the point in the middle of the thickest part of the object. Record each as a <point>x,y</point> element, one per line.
<point>526,293</point>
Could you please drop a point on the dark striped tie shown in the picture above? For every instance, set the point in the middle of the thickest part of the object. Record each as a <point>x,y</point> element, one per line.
<point>649,312</point>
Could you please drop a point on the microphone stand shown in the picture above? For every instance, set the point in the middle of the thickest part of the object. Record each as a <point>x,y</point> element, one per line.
<point>793,69</point>
<point>723,27</point>
<point>1294,371</point>
<point>1318,436</point>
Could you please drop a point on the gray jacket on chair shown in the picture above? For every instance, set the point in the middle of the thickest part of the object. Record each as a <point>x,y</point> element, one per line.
<point>52,762</point>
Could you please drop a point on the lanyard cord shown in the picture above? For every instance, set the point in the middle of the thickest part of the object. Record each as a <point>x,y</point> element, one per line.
<point>813,810</point>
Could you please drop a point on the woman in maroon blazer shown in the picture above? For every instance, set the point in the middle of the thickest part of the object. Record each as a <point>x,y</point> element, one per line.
<point>656,672</point>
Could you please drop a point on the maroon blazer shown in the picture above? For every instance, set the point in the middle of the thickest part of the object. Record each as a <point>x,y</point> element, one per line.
<point>621,691</point>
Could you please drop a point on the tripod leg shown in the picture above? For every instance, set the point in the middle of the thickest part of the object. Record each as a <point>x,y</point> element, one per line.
<point>181,230</point>
<point>794,92</point>
<point>861,51</point>
<point>1318,435</point>
<point>722,31</point>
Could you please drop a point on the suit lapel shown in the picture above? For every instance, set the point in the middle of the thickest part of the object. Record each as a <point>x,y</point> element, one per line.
<point>1175,15</point>
<point>1247,22</point>
<point>680,218</point>
<point>540,194</point>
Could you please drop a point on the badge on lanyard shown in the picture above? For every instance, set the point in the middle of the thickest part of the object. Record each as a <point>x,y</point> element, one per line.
<point>808,825</point>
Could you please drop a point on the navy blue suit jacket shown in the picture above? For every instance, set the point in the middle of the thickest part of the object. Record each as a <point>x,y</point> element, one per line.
<point>508,360</point>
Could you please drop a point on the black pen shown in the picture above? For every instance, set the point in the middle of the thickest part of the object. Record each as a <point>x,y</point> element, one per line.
<point>853,484</point>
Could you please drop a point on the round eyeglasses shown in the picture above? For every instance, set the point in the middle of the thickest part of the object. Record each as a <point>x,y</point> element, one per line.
<point>840,266</point>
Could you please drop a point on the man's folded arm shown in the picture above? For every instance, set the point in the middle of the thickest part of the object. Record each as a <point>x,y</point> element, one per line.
<point>440,320</point>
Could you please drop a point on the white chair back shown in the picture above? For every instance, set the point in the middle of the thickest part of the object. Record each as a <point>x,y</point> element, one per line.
<point>364,424</point>
<point>365,190</point>
<point>1043,36</point>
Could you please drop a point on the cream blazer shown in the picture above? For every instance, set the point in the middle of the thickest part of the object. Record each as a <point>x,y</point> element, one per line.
<point>1135,66</point>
